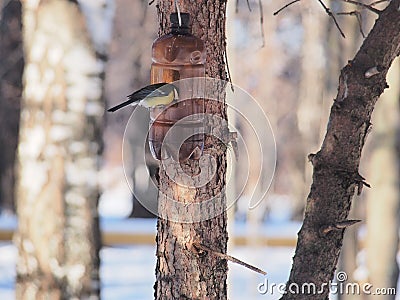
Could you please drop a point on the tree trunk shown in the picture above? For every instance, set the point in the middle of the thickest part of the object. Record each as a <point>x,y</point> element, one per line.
<point>60,144</point>
<point>182,271</point>
<point>347,47</point>
<point>383,200</point>
<point>11,67</point>
<point>336,176</point>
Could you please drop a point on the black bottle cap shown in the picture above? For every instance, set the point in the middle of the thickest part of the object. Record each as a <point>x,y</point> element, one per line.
<point>185,21</point>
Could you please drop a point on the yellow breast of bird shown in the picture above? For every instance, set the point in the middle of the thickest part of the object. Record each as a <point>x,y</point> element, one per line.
<point>154,101</point>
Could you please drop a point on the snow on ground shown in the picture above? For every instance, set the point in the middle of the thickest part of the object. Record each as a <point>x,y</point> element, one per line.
<point>8,256</point>
<point>128,272</point>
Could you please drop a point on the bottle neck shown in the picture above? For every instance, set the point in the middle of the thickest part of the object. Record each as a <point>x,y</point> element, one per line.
<point>180,30</point>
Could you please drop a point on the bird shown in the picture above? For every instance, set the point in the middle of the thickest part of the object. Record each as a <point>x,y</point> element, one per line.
<point>150,96</point>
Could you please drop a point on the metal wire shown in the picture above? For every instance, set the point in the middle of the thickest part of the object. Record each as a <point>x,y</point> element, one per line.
<point>179,12</point>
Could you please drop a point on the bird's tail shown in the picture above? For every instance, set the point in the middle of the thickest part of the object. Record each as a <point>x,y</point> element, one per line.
<point>112,109</point>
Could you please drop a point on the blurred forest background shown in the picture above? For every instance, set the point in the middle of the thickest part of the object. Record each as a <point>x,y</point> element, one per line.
<point>289,63</point>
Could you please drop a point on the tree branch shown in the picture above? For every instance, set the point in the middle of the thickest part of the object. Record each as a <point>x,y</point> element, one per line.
<point>328,11</point>
<point>332,191</point>
<point>200,247</point>
<point>338,226</point>
<point>363,5</point>
<point>358,16</point>
<point>378,2</point>
<point>261,23</point>
<point>286,6</point>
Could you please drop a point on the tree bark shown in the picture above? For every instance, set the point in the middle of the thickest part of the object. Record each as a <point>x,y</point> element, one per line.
<point>11,68</point>
<point>182,272</point>
<point>347,47</point>
<point>60,144</point>
<point>335,175</point>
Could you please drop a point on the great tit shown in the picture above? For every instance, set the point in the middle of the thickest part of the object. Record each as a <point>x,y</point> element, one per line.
<point>150,96</point>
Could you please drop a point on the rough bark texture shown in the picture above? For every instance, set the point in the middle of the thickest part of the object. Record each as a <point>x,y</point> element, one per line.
<point>335,176</point>
<point>182,272</point>
<point>347,48</point>
<point>11,67</point>
<point>60,143</point>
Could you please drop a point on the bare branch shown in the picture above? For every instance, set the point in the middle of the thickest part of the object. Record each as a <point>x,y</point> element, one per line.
<point>286,6</point>
<point>363,5</point>
<point>248,4</point>
<point>359,20</point>
<point>332,15</point>
<point>338,226</point>
<point>228,69</point>
<point>262,23</point>
<point>199,246</point>
<point>328,11</point>
<point>237,6</point>
<point>358,16</point>
<point>378,2</point>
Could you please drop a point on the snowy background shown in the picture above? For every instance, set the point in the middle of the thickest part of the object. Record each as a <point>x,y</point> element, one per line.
<point>127,272</point>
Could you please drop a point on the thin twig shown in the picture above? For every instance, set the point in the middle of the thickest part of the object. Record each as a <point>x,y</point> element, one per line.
<point>328,11</point>
<point>358,16</point>
<point>237,6</point>
<point>378,2</point>
<point>359,20</point>
<point>151,2</point>
<point>228,70</point>
<point>286,6</point>
<point>199,246</point>
<point>363,5</point>
<point>248,5</point>
<point>262,23</point>
<point>338,226</point>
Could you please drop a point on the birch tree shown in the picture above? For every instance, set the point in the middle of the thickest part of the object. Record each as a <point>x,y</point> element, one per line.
<point>59,151</point>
